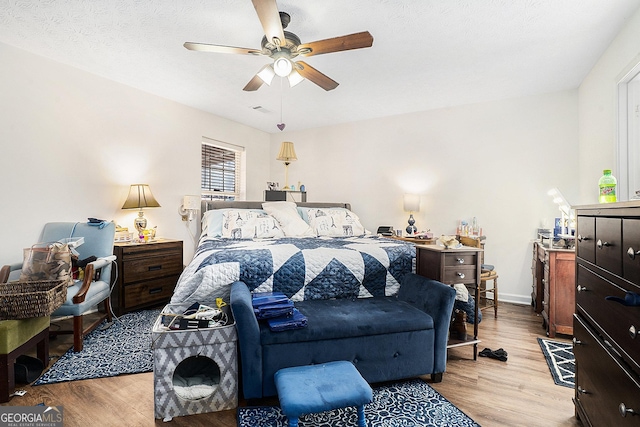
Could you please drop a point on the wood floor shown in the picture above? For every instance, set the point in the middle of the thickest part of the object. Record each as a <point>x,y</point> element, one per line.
<point>519,392</point>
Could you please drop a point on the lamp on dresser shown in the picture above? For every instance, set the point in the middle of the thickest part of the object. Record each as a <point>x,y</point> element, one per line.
<point>287,154</point>
<point>140,197</point>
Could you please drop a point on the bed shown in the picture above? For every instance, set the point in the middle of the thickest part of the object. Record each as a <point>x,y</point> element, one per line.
<point>269,250</point>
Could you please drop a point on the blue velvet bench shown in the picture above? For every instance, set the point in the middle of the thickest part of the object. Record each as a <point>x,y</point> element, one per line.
<point>318,388</point>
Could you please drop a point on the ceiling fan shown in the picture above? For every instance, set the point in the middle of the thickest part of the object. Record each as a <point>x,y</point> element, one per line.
<point>284,46</point>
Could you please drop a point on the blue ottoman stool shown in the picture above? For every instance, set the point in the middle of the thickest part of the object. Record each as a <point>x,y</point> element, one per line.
<point>318,388</point>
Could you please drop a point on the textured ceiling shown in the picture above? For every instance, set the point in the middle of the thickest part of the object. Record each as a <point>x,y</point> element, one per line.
<point>426,54</point>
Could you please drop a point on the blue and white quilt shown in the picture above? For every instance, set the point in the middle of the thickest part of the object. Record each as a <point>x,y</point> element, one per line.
<point>301,268</point>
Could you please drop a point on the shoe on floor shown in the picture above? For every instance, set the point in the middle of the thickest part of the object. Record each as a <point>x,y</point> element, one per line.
<point>499,354</point>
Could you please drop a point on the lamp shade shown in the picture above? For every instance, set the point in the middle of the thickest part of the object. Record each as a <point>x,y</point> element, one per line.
<point>140,196</point>
<point>411,203</point>
<point>287,153</point>
<point>267,74</point>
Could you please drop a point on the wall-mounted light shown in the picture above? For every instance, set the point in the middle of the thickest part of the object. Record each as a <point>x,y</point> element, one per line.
<point>568,214</point>
<point>189,208</point>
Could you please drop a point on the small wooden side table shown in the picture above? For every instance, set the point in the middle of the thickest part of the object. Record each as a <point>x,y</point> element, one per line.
<point>147,273</point>
<point>451,266</point>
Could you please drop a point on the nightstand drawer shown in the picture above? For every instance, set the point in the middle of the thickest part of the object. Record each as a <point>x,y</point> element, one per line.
<point>462,274</point>
<point>151,267</point>
<point>459,260</point>
<point>149,291</point>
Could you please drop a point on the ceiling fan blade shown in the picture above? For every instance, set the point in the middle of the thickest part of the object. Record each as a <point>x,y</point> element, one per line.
<point>315,76</point>
<point>203,47</point>
<point>337,44</point>
<point>269,16</point>
<point>254,84</point>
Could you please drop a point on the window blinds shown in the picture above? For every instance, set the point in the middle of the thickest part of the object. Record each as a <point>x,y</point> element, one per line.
<point>220,176</point>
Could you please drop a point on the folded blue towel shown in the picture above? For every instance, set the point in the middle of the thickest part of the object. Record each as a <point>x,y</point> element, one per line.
<point>295,321</point>
<point>278,309</point>
<point>263,298</point>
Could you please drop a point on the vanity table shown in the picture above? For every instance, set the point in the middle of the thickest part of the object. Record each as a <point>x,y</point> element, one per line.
<point>553,296</point>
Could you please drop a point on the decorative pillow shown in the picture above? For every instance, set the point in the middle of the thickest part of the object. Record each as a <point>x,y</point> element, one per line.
<point>238,224</point>
<point>290,221</point>
<point>212,220</point>
<point>335,222</point>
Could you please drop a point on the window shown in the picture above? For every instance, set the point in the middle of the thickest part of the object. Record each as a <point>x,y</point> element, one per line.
<point>629,135</point>
<point>221,171</point>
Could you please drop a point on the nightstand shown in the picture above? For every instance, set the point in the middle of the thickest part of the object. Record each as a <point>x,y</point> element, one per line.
<point>452,266</point>
<point>147,273</point>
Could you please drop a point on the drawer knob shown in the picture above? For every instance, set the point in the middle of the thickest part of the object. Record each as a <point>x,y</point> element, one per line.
<point>633,332</point>
<point>624,410</point>
<point>582,238</point>
<point>460,260</point>
<point>543,281</point>
<point>602,244</point>
<point>581,288</point>
<point>576,341</point>
<point>632,253</point>
<point>460,275</point>
<point>582,391</point>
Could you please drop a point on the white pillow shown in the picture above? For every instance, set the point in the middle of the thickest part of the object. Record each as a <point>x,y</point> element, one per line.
<point>335,222</point>
<point>290,221</point>
<point>242,224</point>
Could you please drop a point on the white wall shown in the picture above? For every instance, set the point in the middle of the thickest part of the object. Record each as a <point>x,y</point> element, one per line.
<point>73,142</point>
<point>495,161</point>
<point>598,109</point>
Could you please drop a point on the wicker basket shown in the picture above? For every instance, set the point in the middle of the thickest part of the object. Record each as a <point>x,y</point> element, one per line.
<point>21,300</point>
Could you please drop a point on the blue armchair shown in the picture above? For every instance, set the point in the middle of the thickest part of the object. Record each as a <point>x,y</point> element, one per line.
<point>95,288</point>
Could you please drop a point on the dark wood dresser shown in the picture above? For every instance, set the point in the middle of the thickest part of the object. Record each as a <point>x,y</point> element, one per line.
<point>606,341</point>
<point>554,288</point>
<point>453,266</point>
<point>147,274</point>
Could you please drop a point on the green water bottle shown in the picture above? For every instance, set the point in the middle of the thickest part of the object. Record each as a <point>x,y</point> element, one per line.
<point>607,186</point>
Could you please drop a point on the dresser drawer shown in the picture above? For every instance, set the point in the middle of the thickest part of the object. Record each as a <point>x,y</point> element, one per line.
<point>630,249</point>
<point>147,292</point>
<point>603,385</point>
<point>609,244</point>
<point>151,267</point>
<point>615,320</point>
<point>586,240</point>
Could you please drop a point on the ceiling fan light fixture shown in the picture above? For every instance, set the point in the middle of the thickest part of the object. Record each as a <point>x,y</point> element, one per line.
<point>282,66</point>
<point>267,74</point>
<point>294,78</point>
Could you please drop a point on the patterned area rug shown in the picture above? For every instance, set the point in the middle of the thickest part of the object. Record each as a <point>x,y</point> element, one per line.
<point>409,404</point>
<point>123,348</point>
<point>561,362</point>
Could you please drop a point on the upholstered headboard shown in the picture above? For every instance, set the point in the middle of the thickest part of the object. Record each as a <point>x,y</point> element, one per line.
<point>208,205</point>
